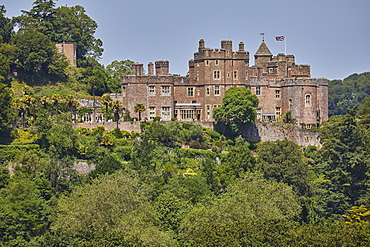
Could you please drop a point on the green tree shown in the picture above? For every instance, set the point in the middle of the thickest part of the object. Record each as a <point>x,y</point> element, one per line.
<point>35,57</point>
<point>345,158</point>
<point>234,164</point>
<point>6,27</point>
<point>63,24</point>
<point>283,161</point>
<point>139,107</point>
<point>22,213</point>
<point>253,212</point>
<point>6,112</point>
<point>106,100</point>
<point>116,70</point>
<point>237,110</point>
<point>347,93</point>
<point>117,111</point>
<point>113,209</point>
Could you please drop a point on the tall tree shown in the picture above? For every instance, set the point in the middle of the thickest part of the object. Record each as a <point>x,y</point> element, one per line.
<point>139,107</point>
<point>283,161</point>
<point>114,210</point>
<point>5,111</point>
<point>253,212</point>
<point>35,55</point>
<point>63,24</point>
<point>106,100</point>
<point>6,26</point>
<point>237,110</point>
<point>116,70</point>
<point>117,111</point>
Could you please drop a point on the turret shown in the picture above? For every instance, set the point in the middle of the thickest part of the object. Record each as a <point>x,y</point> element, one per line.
<point>262,55</point>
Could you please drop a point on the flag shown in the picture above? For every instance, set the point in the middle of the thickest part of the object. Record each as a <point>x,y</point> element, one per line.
<point>262,33</point>
<point>280,38</point>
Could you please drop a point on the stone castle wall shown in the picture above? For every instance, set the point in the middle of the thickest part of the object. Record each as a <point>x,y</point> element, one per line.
<point>262,132</point>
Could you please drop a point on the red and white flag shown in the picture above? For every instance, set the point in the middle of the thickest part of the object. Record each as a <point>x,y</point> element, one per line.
<point>280,38</point>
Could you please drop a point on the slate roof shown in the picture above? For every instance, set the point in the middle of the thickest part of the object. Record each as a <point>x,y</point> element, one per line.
<point>263,50</point>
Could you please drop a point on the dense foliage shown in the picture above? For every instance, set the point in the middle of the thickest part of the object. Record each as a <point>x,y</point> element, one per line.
<point>347,93</point>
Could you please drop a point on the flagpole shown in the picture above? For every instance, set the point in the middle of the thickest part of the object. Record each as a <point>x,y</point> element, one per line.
<point>285,45</point>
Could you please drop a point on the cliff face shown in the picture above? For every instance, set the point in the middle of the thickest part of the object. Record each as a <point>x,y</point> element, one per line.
<point>262,132</point>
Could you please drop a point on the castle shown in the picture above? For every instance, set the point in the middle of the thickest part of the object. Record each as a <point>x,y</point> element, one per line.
<point>280,85</point>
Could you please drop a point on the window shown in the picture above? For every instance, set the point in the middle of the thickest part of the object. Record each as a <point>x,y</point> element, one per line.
<point>207,63</point>
<point>258,90</point>
<point>166,114</point>
<point>290,104</point>
<point>187,114</point>
<point>278,111</point>
<point>217,90</point>
<point>235,74</point>
<point>151,112</point>
<point>277,94</point>
<point>123,91</point>
<point>228,75</point>
<point>166,91</point>
<point>216,62</point>
<point>151,90</point>
<point>308,100</point>
<point>216,74</point>
<point>208,91</point>
<point>208,111</point>
<point>258,113</point>
<point>190,91</point>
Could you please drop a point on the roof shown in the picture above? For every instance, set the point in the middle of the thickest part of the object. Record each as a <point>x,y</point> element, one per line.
<point>263,50</point>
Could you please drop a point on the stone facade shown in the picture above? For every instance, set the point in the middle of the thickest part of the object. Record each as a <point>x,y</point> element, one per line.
<point>279,83</point>
<point>69,51</point>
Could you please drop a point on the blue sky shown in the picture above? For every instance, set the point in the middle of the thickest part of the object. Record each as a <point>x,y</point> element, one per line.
<point>332,36</point>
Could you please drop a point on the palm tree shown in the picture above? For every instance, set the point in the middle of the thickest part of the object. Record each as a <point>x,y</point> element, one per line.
<point>107,101</point>
<point>70,102</point>
<point>91,81</point>
<point>21,108</point>
<point>117,110</point>
<point>24,105</point>
<point>55,100</point>
<point>139,107</point>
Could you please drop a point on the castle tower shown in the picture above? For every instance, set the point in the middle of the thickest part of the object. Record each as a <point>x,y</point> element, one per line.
<point>69,51</point>
<point>262,55</point>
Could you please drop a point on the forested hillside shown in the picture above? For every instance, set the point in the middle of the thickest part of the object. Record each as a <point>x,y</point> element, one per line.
<point>347,93</point>
<point>174,184</point>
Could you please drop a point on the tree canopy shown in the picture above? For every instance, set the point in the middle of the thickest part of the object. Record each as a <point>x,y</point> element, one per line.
<point>237,110</point>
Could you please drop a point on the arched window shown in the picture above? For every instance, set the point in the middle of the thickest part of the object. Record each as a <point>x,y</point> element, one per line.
<point>290,104</point>
<point>308,100</point>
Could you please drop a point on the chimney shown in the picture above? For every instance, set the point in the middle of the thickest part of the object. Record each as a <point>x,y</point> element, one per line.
<point>191,68</point>
<point>137,69</point>
<point>227,45</point>
<point>150,68</point>
<point>241,46</point>
<point>162,67</point>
